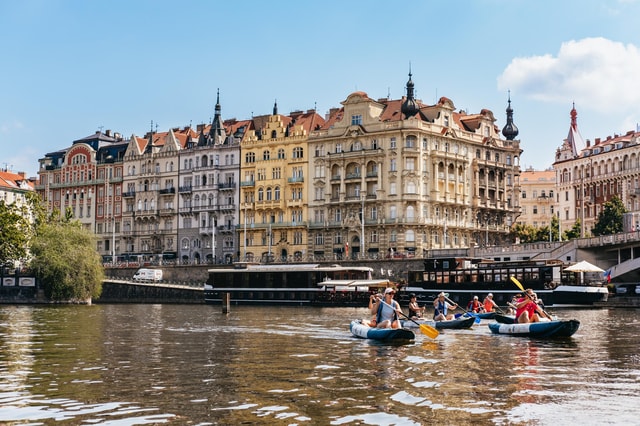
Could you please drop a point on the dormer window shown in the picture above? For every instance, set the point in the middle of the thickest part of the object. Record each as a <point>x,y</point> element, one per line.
<point>356,120</point>
<point>446,121</point>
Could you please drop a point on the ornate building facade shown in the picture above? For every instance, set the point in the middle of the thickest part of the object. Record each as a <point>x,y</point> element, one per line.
<point>209,192</point>
<point>86,181</point>
<point>588,175</point>
<point>275,161</point>
<point>393,177</point>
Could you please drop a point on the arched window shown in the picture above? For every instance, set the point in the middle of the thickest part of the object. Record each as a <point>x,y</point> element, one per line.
<point>265,155</point>
<point>269,194</point>
<point>260,194</point>
<point>276,193</point>
<point>281,155</point>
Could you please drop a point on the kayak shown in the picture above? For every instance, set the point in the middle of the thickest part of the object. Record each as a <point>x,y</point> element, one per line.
<point>384,334</point>
<point>558,328</point>
<point>458,323</point>
<point>483,315</point>
<point>505,319</point>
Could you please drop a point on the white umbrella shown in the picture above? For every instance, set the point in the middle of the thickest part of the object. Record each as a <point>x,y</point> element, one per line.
<point>583,266</point>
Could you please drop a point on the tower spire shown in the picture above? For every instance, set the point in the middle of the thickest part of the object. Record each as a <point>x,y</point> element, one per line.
<point>510,130</point>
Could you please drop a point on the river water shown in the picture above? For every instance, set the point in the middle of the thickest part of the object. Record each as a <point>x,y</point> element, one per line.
<point>193,365</point>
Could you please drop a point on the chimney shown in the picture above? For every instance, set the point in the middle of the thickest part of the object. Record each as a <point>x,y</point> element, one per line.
<point>588,143</point>
<point>108,132</point>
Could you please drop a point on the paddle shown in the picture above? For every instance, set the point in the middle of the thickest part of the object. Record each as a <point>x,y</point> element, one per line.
<point>477,318</point>
<point>425,329</point>
<point>516,282</point>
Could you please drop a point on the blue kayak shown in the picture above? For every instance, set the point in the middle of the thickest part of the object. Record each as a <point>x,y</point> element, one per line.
<point>458,323</point>
<point>384,334</point>
<point>564,328</point>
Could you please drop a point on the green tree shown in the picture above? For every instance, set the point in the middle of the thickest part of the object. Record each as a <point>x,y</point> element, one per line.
<point>15,232</point>
<point>574,232</point>
<point>66,261</point>
<point>523,232</point>
<point>610,218</point>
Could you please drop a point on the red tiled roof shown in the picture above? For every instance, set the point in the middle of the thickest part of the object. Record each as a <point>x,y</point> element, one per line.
<point>14,181</point>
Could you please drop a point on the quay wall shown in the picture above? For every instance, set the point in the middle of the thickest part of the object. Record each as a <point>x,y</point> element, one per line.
<point>122,292</point>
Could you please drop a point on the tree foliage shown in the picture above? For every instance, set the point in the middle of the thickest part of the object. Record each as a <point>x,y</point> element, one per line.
<point>574,232</point>
<point>15,232</point>
<point>66,261</point>
<point>610,218</point>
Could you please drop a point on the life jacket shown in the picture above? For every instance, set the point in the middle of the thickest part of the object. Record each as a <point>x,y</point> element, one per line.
<point>381,305</point>
<point>488,305</point>
<point>474,306</point>
<point>441,308</point>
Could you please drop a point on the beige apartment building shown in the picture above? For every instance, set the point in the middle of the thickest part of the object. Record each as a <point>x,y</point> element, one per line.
<point>537,197</point>
<point>398,177</point>
<point>274,206</point>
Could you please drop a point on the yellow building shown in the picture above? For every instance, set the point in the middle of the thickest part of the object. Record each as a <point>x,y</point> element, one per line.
<point>537,197</point>
<point>274,162</point>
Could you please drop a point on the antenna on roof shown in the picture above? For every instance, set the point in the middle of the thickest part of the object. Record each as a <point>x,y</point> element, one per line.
<point>388,92</point>
<point>100,127</point>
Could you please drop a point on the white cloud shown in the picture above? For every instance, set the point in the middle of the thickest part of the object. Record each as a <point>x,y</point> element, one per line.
<point>594,72</point>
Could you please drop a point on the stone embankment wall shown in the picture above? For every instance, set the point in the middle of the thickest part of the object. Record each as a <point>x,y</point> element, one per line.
<point>115,292</point>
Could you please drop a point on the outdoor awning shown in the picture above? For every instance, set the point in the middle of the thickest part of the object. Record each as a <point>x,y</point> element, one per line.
<point>583,266</point>
<point>333,283</point>
<point>371,283</point>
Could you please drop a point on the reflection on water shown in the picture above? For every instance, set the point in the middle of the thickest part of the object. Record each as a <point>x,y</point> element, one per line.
<point>183,364</point>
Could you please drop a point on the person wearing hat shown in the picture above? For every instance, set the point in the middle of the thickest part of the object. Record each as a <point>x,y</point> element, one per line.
<point>475,306</point>
<point>415,311</point>
<point>441,308</point>
<point>388,311</point>
<point>489,304</point>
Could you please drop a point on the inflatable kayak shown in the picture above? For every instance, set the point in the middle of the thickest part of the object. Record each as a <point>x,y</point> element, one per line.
<point>384,334</point>
<point>505,319</point>
<point>558,328</point>
<point>458,323</point>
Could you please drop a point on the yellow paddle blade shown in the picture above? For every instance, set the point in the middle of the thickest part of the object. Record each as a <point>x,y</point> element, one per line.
<point>429,331</point>
<point>516,282</point>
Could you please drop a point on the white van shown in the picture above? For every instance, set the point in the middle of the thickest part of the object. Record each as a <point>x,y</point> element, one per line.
<point>144,274</point>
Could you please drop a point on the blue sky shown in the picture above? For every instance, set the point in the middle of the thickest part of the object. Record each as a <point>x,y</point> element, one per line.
<point>69,68</point>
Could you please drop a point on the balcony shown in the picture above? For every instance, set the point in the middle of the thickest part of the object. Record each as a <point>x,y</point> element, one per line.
<point>248,183</point>
<point>185,189</point>
<point>227,185</point>
<point>129,194</point>
<point>167,212</point>
<point>299,179</point>
<point>167,191</point>
<point>353,176</point>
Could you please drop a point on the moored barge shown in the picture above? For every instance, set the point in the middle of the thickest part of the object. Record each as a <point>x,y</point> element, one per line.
<point>463,278</point>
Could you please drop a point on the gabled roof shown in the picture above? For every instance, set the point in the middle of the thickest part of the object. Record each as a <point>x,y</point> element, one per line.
<point>15,182</point>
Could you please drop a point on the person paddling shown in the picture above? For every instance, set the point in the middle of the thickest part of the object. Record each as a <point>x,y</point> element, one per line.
<point>415,311</point>
<point>489,303</point>
<point>388,311</point>
<point>527,310</point>
<point>441,308</point>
